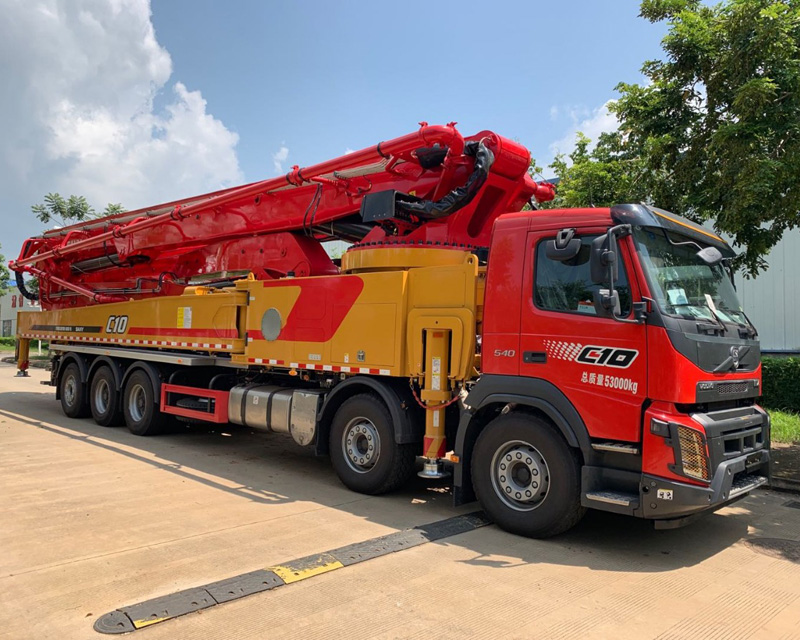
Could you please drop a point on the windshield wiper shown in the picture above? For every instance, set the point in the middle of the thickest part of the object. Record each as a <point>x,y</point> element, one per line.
<point>717,317</point>
<point>752,326</point>
<point>718,324</point>
<point>749,329</point>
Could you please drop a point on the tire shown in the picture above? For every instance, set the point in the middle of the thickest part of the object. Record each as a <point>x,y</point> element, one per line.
<point>363,421</point>
<point>526,477</point>
<point>104,398</point>
<point>192,403</point>
<point>72,391</point>
<point>139,407</point>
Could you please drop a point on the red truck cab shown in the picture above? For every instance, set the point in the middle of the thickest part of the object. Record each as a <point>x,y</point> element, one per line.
<point>619,330</point>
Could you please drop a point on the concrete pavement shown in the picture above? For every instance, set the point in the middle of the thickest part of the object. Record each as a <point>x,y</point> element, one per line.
<point>95,518</point>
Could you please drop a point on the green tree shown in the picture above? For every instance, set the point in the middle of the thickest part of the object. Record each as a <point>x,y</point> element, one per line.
<point>609,174</point>
<point>65,211</point>
<point>4,276</point>
<point>718,126</point>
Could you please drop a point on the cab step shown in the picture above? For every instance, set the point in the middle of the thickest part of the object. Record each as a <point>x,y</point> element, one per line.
<point>615,490</point>
<point>615,501</point>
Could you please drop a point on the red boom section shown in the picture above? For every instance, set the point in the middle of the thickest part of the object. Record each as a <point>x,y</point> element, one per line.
<point>276,226</point>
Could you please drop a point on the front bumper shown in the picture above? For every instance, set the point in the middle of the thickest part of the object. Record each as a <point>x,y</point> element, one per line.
<point>672,503</point>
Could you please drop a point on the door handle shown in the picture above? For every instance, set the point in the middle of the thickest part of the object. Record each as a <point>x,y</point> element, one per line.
<point>534,357</point>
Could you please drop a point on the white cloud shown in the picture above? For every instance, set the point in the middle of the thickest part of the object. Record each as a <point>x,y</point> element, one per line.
<point>589,122</point>
<point>279,157</point>
<point>348,151</point>
<point>146,158</point>
<point>77,115</point>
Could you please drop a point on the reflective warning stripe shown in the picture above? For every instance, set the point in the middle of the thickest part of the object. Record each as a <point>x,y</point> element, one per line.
<point>217,346</point>
<point>144,614</point>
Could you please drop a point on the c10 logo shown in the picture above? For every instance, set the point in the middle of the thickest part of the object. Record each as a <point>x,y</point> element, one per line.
<point>117,324</point>
<point>607,357</point>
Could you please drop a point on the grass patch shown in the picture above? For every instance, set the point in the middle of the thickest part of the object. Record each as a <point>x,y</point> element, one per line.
<point>6,351</point>
<point>785,426</point>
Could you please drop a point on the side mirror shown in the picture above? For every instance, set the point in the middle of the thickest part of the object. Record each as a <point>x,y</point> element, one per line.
<point>603,258</point>
<point>604,268</point>
<point>710,255</point>
<point>606,303</point>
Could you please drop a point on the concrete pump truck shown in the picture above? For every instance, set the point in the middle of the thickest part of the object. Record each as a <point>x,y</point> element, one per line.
<point>552,360</point>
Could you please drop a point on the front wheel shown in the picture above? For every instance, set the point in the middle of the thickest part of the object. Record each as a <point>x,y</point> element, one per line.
<point>363,451</point>
<point>526,477</point>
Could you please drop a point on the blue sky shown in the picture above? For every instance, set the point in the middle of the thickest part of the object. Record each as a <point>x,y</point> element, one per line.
<point>320,77</point>
<point>138,104</point>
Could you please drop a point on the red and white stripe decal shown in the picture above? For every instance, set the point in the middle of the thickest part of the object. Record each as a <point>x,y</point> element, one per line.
<point>322,367</point>
<point>216,346</point>
<point>183,333</point>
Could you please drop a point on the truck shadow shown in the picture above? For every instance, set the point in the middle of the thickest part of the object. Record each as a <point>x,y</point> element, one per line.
<point>609,542</point>
<point>272,470</point>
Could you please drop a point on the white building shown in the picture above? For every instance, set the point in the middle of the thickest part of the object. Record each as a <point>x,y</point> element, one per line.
<point>772,300</point>
<point>10,304</point>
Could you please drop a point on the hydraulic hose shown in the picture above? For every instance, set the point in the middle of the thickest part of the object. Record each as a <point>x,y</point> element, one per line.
<point>458,197</point>
<point>21,286</point>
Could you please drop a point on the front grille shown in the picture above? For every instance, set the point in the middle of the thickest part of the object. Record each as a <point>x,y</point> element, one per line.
<point>694,461</point>
<point>736,443</point>
<point>732,387</point>
<point>711,392</point>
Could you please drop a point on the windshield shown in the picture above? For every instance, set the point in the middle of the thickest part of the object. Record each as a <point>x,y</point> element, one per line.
<point>684,285</point>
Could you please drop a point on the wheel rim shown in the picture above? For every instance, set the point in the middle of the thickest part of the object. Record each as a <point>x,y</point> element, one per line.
<point>361,445</point>
<point>70,390</point>
<point>137,400</point>
<point>102,396</point>
<point>520,476</point>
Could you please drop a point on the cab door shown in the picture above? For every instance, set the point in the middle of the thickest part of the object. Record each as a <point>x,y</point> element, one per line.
<point>598,363</point>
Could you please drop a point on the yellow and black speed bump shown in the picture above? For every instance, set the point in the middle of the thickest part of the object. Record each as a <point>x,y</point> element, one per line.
<point>138,616</point>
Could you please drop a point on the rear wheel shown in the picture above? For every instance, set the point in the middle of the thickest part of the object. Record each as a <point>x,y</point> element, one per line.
<point>142,414</point>
<point>526,476</point>
<point>363,451</point>
<point>72,391</point>
<point>104,398</point>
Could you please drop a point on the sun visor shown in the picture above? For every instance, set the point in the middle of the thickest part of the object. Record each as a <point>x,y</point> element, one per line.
<point>647,216</point>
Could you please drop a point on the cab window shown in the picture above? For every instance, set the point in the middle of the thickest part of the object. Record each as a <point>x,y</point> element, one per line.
<point>567,286</point>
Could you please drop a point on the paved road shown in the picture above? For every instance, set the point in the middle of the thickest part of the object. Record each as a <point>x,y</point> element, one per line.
<point>95,518</point>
